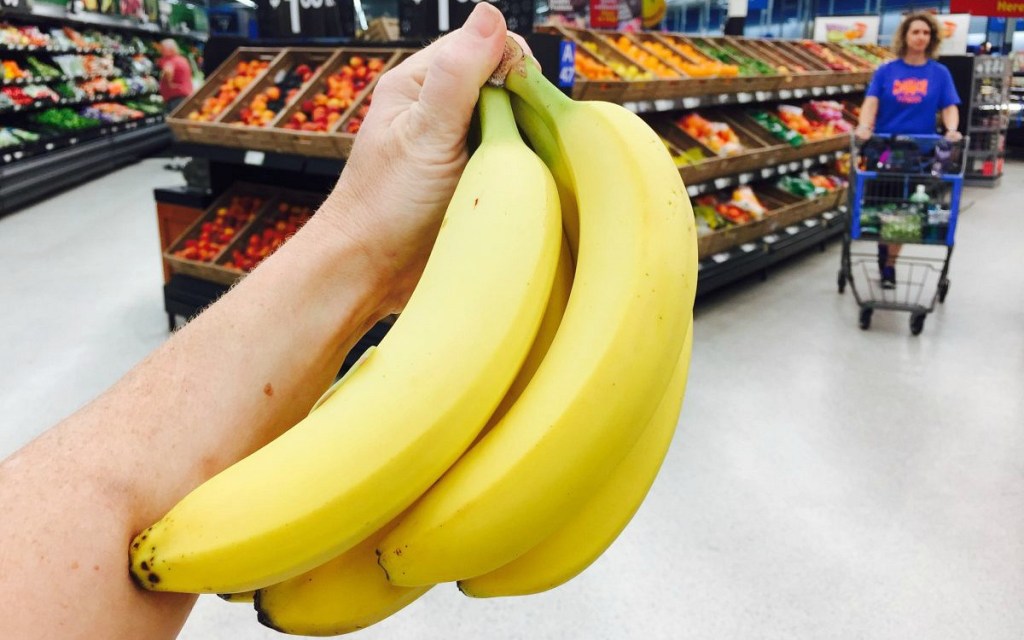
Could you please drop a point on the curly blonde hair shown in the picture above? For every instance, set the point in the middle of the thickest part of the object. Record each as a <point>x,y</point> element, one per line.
<point>899,40</point>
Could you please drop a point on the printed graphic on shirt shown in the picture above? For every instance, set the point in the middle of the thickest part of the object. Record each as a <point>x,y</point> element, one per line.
<point>910,90</point>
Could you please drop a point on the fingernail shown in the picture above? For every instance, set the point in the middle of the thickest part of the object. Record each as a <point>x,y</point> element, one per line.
<point>483,21</point>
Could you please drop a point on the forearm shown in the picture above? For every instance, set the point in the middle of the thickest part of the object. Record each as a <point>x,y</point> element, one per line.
<point>234,378</point>
<point>868,113</point>
<point>951,118</point>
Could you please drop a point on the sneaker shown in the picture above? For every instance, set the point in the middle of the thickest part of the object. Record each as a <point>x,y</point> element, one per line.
<point>889,278</point>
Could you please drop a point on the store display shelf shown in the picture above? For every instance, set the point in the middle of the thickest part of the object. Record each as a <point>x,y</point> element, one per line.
<point>777,222</point>
<point>64,102</point>
<point>9,155</point>
<point>91,154</point>
<point>20,82</point>
<point>831,87</point>
<point>719,173</point>
<point>28,49</point>
<point>59,13</point>
<point>756,256</point>
<point>260,158</point>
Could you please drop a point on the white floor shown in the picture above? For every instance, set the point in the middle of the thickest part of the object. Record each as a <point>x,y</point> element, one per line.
<point>826,482</point>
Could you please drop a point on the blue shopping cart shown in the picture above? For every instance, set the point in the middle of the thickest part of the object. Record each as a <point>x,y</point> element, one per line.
<point>905,191</point>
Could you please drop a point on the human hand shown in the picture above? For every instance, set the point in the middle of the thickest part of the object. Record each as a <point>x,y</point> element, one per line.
<point>411,150</point>
<point>863,133</point>
<point>954,136</point>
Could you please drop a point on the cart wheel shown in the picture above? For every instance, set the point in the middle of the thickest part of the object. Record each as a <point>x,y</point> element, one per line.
<point>917,323</point>
<point>943,290</point>
<point>865,318</point>
<point>841,281</point>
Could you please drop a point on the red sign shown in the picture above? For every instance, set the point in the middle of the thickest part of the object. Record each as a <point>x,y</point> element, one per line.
<point>1001,8</point>
<point>604,14</point>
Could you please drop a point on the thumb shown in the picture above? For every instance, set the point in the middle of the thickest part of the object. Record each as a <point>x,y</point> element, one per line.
<point>465,60</point>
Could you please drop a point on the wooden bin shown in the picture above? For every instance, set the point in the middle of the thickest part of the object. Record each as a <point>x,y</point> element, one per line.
<point>608,54</point>
<point>201,132</point>
<point>728,84</point>
<point>584,88</point>
<point>209,270</point>
<point>326,144</point>
<point>784,209</point>
<point>282,196</point>
<point>343,137</point>
<point>267,137</point>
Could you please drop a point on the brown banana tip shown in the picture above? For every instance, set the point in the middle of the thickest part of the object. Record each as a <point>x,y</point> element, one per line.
<point>511,60</point>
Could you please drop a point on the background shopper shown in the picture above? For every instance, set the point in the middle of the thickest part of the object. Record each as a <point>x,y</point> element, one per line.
<point>904,97</point>
<point>175,74</point>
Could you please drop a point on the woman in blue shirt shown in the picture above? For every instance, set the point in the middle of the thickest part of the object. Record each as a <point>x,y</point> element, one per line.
<point>904,97</point>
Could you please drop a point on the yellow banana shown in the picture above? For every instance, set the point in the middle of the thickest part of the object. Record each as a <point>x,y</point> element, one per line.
<point>566,553</point>
<point>546,147</point>
<point>243,597</point>
<point>548,328</point>
<point>408,412</point>
<point>343,595</point>
<point>606,370</point>
<point>351,591</point>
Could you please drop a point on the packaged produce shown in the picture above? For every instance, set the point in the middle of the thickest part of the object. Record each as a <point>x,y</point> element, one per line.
<point>64,120</point>
<point>42,70</point>
<point>14,137</point>
<point>12,71</point>
<point>112,112</point>
<point>777,127</point>
<point>901,226</point>
<point>717,136</point>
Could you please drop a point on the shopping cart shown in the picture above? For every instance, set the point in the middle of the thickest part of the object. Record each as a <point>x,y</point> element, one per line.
<point>905,190</point>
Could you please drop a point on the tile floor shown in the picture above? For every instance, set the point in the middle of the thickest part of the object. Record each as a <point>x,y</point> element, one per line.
<point>825,482</point>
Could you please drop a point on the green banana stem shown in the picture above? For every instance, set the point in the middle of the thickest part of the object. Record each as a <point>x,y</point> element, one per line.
<point>496,120</point>
<point>527,81</point>
<point>546,147</point>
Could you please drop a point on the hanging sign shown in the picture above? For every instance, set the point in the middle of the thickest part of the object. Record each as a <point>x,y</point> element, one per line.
<point>954,33</point>
<point>305,18</point>
<point>604,14</point>
<point>855,29</point>
<point>990,8</point>
<point>16,6</point>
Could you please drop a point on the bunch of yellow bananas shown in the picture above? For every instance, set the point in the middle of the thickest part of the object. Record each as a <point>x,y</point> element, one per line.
<point>542,372</point>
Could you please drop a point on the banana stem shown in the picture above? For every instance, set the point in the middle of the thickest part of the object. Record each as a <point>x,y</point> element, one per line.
<point>522,77</point>
<point>496,119</point>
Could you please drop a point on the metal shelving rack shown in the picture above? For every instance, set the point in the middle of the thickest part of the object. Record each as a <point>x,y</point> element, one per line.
<point>988,120</point>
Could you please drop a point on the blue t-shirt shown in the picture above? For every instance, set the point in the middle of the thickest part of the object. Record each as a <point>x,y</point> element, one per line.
<point>910,96</point>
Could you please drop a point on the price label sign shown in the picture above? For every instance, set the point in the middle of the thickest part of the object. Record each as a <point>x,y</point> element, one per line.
<point>743,98</point>
<point>746,178</point>
<point>693,191</point>
<point>792,230</point>
<point>567,64</point>
<point>691,103</point>
<point>719,258</point>
<point>722,183</point>
<point>254,158</point>
<point>664,105</point>
<point>748,247</point>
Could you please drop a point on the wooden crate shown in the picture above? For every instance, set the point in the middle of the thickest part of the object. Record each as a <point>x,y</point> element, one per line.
<point>785,209</point>
<point>266,137</point>
<point>326,144</point>
<point>660,87</point>
<point>282,196</point>
<point>607,54</point>
<point>209,270</point>
<point>187,130</point>
<point>343,138</point>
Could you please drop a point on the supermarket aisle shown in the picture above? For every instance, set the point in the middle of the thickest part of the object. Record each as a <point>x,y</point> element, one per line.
<point>825,483</point>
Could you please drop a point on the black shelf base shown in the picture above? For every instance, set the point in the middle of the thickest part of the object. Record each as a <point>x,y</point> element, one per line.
<point>185,297</point>
<point>32,179</point>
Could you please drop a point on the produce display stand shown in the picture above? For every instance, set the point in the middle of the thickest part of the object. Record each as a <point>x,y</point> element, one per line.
<point>64,156</point>
<point>793,224</point>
